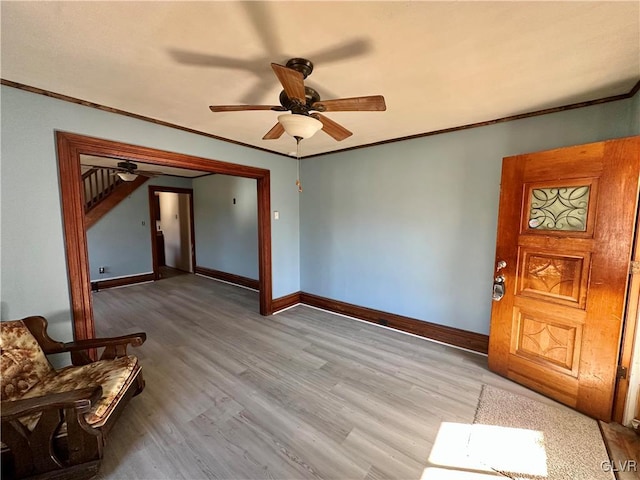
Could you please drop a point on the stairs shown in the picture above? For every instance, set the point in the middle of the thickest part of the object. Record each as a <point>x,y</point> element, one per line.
<point>103,190</point>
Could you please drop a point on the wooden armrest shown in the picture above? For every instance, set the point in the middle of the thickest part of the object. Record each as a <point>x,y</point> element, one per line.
<point>114,347</point>
<point>134,339</point>
<point>80,399</point>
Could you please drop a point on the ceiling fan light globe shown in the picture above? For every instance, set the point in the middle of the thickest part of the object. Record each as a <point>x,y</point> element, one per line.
<point>127,177</point>
<point>300,126</point>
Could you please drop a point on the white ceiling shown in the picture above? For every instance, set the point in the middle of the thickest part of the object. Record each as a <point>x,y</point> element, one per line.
<point>438,64</point>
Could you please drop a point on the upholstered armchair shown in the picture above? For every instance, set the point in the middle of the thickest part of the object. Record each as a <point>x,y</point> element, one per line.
<point>55,422</point>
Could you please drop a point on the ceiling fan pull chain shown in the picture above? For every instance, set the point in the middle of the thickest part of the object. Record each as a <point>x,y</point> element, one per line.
<point>298,182</point>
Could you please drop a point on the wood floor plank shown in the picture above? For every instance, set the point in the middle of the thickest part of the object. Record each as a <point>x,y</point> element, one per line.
<point>416,447</point>
<point>301,394</point>
<point>386,459</point>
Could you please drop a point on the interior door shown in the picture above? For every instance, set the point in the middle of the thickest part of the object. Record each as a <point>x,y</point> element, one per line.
<point>565,233</point>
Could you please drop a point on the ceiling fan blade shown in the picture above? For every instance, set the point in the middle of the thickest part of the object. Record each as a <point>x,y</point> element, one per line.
<point>335,130</point>
<point>373,103</point>
<point>292,81</point>
<point>353,48</point>
<point>241,108</point>
<point>275,132</point>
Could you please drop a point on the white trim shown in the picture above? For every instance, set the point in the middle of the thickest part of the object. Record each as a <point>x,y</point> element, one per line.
<point>287,308</point>
<point>121,286</point>
<point>228,283</point>
<point>631,401</point>
<point>123,276</point>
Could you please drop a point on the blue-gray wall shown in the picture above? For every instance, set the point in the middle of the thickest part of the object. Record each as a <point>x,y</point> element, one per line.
<point>121,240</point>
<point>34,274</point>
<point>226,232</point>
<point>635,114</point>
<point>409,227</point>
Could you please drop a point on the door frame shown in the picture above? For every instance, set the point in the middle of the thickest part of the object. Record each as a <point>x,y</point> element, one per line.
<point>628,348</point>
<point>152,217</point>
<point>69,148</point>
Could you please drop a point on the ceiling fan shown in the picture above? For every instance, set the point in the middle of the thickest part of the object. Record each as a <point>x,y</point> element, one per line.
<point>128,171</point>
<point>305,105</point>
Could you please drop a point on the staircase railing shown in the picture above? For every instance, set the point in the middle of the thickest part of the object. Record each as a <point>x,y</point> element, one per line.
<point>98,184</point>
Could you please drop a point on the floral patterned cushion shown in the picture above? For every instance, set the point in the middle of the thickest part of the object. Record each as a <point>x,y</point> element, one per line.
<point>114,376</point>
<point>23,364</point>
<point>26,373</point>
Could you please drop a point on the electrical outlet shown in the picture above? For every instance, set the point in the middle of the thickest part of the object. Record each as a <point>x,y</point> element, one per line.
<point>102,269</point>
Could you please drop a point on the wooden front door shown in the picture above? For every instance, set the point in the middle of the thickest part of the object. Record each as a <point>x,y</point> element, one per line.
<point>565,234</point>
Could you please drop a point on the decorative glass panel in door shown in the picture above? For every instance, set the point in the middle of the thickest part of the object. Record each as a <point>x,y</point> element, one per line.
<point>559,208</point>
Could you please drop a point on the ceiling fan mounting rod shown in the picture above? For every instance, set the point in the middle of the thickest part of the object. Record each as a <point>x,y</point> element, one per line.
<point>302,65</point>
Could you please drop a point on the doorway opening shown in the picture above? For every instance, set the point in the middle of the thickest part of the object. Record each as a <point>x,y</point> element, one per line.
<point>172,223</point>
<point>70,146</point>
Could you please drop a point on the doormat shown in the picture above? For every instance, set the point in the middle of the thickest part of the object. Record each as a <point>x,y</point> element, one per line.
<point>521,438</point>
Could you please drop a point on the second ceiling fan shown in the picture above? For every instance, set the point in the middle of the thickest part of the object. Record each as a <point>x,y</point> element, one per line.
<point>305,101</point>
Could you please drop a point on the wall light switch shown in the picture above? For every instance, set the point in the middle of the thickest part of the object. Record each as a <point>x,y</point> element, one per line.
<point>276,215</point>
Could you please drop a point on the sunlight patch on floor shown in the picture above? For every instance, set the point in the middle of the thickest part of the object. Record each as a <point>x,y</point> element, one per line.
<point>507,449</point>
<point>450,448</point>
<point>464,451</point>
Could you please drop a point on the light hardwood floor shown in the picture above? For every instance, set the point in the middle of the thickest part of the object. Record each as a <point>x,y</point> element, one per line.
<point>301,394</point>
<point>624,449</point>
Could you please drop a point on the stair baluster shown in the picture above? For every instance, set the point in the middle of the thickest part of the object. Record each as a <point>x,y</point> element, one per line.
<point>99,183</point>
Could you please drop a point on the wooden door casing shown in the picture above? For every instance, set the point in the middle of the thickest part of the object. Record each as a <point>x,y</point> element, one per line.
<point>558,327</point>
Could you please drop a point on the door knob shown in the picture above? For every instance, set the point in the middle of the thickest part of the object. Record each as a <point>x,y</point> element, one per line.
<point>501,264</point>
